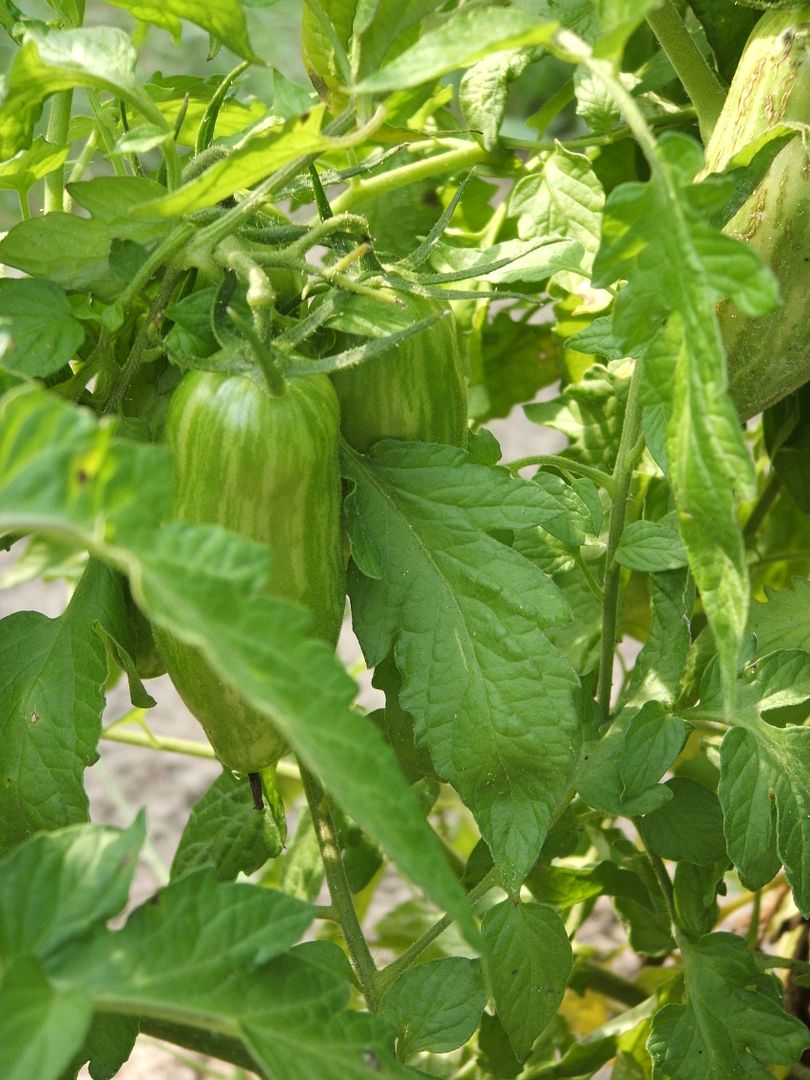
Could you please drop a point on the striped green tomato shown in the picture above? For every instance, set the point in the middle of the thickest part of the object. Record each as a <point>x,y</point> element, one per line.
<point>769,357</point>
<point>266,467</point>
<point>414,391</point>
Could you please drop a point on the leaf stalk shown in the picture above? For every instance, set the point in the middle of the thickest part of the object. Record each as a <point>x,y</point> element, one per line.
<point>630,447</point>
<point>342,900</point>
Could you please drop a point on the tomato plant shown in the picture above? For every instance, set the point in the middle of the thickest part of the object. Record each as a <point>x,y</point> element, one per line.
<point>268,309</point>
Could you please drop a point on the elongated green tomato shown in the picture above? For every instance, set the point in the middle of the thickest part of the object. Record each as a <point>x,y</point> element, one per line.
<point>266,467</point>
<point>769,357</point>
<point>415,391</point>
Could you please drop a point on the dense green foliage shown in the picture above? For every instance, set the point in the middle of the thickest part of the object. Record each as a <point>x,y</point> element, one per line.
<point>261,319</point>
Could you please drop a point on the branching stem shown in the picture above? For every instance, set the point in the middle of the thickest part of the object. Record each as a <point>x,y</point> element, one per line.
<point>766,499</point>
<point>342,900</point>
<point>567,465</point>
<point>142,341</point>
<point>365,191</point>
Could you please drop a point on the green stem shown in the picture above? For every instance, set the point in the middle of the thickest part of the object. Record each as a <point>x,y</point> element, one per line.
<point>767,497</point>
<point>142,341</point>
<point>134,163</point>
<point>752,934</point>
<point>351,223</point>
<point>188,747</point>
<point>147,740</point>
<point>106,133</point>
<point>782,556</point>
<point>163,253</point>
<point>746,898</point>
<point>574,50</point>
<point>208,237</point>
<point>25,209</point>
<point>339,891</point>
<point>590,580</point>
<point>202,1040</point>
<point>609,984</point>
<point>325,273</point>
<point>664,880</point>
<point>709,727</point>
<point>389,974</point>
<point>564,464</point>
<point>57,134</point>
<point>202,1069</point>
<point>365,191</point>
<point>325,911</point>
<point>552,107</point>
<point>273,375</point>
<point>699,79</point>
<point>630,446</point>
<point>84,158</point>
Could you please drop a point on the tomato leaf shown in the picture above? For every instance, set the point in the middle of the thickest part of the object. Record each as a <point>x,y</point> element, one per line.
<point>51,701</point>
<point>733,1022</point>
<point>41,1027</point>
<point>676,267</point>
<point>526,945</point>
<point>222,19</point>
<point>226,832</point>
<point>436,1006</point>
<point>760,763</point>
<point>56,887</point>
<point>100,58</point>
<point>510,757</point>
<point>463,38</point>
<point>38,333</point>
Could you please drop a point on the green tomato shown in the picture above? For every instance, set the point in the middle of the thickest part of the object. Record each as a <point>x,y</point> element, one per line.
<point>769,356</point>
<point>414,391</point>
<point>266,467</point>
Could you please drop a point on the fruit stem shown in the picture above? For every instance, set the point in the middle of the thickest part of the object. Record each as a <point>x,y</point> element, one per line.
<point>273,375</point>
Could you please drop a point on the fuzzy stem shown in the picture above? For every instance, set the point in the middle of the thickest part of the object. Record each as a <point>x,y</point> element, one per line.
<point>232,219</point>
<point>57,134</point>
<point>766,499</point>
<point>273,375</point>
<point>564,464</point>
<point>203,1041</point>
<point>339,891</point>
<point>665,882</point>
<point>699,79</point>
<point>389,974</point>
<point>189,747</point>
<point>630,446</point>
<point>141,344</point>
<point>147,740</point>
<point>451,161</point>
